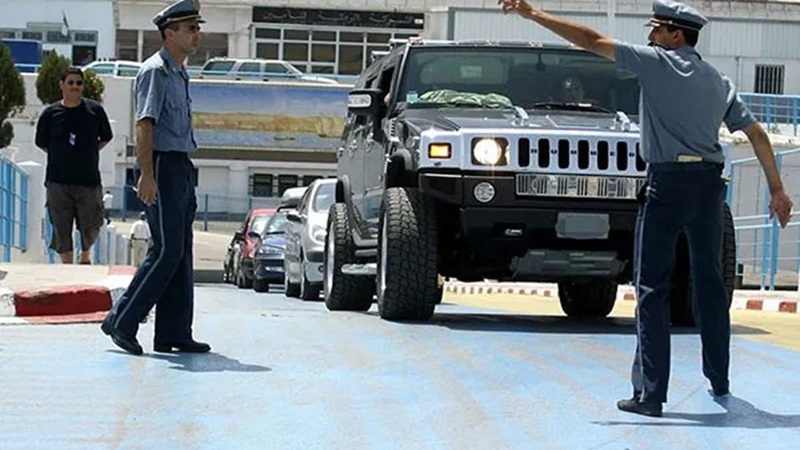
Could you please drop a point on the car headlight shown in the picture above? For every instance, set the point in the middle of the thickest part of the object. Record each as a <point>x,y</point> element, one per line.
<point>489,152</point>
<point>318,233</point>
<point>267,250</point>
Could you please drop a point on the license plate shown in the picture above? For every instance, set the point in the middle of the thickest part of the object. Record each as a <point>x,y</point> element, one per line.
<point>582,226</point>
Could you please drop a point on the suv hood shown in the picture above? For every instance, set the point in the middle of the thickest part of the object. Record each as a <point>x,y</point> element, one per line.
<point>453,119</point>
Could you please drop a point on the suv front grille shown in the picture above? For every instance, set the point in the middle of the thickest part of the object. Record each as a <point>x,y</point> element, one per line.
<point>582,154</point>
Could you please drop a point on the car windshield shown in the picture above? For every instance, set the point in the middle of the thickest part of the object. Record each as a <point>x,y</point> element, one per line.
<point>324,197</point>
<point>259,224</point>
<point>503,77</point>
<point>277,224</point>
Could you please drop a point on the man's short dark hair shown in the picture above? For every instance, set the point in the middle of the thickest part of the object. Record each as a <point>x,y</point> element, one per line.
<point>72,71</point>
<point>174,26</point>
<point>691,36</point>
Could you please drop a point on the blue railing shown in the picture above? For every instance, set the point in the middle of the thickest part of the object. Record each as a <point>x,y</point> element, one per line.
<point>13,208</point>
<point>764,250</point>
<point>779,113</point>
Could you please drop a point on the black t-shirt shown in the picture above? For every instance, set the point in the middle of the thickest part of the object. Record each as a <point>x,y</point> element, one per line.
<point>70,136</point>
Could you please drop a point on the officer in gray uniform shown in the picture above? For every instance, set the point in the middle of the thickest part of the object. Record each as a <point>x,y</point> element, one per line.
<point>166,185</point>
<point>684,101</point>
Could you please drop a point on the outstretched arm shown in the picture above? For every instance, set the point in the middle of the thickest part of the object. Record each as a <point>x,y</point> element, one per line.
<point>578,34</point>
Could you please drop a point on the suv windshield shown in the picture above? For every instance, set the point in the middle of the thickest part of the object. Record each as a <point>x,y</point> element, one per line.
<point>324,197</point>
<point>503,77</point>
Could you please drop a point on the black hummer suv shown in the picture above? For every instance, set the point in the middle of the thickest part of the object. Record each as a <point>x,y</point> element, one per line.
<point>503,161</point>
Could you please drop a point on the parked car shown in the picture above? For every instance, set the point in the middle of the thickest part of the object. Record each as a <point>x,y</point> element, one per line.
<point>256,70</point>
<point>268,261</point>
<point>238,264</point>
<point>305,240</point>
<point>117,68</point>
<point>291,197</point>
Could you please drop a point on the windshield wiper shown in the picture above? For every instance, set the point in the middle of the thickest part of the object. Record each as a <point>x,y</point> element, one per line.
<point>569,106</point>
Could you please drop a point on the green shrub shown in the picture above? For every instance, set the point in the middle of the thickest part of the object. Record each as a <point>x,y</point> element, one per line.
<point>12,95</point>
<point>53,66</point>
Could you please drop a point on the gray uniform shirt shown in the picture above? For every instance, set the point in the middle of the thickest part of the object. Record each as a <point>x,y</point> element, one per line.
<point>683,103</point>
<point>162,94</point>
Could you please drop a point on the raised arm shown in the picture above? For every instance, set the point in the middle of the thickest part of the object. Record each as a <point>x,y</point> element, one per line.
<point>578,34</point>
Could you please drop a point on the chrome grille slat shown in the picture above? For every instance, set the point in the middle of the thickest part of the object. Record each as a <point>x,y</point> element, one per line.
<point>578,186</point>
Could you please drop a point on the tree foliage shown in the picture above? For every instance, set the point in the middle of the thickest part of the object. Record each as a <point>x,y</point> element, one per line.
<point>53,66</point>
<point>12,94</point>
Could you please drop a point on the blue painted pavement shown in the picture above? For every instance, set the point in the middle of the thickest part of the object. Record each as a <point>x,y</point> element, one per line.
<point>286,374</point>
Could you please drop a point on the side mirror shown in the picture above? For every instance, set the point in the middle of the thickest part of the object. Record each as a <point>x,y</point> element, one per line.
<point>365,102</point>
<point>254,235</point>
<point>294,217</point>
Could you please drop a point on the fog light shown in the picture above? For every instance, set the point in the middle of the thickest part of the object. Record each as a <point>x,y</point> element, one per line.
<point>484,192</point>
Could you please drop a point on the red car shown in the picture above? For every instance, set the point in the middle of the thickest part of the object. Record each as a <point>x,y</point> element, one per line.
<point>238,265</point>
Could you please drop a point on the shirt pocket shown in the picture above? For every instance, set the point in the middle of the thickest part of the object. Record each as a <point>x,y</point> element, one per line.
<point>177,114</point>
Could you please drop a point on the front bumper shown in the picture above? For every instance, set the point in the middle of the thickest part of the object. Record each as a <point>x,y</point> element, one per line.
<point>530,238</point>
<point>269,269</point>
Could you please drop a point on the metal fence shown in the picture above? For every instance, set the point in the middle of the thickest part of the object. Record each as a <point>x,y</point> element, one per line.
<point>13,208</point>
<point>768,256</point>
<point>779,113</point>
<point>216,212</point>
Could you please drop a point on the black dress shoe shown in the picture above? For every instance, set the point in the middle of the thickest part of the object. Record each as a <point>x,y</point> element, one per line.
<point>190,346</point>
<point>122,340</point>
<point>632,405</point>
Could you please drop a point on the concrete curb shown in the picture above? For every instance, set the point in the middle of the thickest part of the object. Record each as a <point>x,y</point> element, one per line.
<point>755,300</point>
<point>69,300</point>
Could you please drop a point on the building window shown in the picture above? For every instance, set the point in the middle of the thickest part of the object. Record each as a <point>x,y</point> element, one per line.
<point>84,37</point>
<point>323,50</point>
<point>308,179</point>
<point>285,182</point>
<point>57,37</point>
<point>32,35</point>
<point>769,79</point>
<point>261,185</point>
<point>8,34</point>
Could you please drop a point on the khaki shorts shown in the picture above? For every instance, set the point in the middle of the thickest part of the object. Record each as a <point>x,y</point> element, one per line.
<point>68,204</point>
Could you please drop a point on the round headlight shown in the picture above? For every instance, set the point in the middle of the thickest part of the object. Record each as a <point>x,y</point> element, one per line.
<point>487,152</point>
<point>483,192</point>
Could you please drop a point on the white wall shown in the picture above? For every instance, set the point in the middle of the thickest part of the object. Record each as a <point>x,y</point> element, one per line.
<point>88,15</point>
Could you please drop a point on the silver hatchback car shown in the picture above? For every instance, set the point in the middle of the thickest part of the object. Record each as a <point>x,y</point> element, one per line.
<point>305,240</point>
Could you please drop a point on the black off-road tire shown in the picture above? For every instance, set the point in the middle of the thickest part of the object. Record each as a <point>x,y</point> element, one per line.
<point>345,292</point>
<point>407,246</point>
<point>593,299</point>
<point>681,309</point>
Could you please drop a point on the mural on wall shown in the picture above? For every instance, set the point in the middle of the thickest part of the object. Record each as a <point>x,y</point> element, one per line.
<point>269,116</point>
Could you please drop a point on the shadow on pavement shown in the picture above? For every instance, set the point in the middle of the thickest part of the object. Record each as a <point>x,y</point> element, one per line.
<point>739,413</point>
<point>552,324</point>
<point>207,362</point>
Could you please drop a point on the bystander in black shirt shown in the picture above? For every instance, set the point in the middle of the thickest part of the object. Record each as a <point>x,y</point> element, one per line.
<point>70,136</point>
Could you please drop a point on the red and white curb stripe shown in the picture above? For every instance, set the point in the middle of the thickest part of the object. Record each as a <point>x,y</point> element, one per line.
<point>777,301</point>
<point>63,304</point>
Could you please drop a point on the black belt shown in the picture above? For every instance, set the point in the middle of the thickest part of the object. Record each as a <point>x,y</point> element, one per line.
<point>174,154</point>
<point>684,166</point>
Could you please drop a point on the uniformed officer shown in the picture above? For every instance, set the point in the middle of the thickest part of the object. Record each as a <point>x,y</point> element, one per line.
<point>684,101</point>
<point>166,185</point>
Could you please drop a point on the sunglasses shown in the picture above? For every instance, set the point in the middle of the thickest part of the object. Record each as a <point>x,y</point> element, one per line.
<point>75,83</point>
